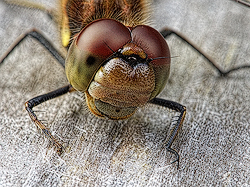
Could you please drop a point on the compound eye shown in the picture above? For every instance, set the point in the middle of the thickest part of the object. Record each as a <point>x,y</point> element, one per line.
<point>155,46</point>
<point>95,43</point>
<point>152,42</point>
<point>102,37</point>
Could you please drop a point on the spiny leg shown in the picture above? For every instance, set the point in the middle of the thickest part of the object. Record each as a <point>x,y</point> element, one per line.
<point>174,131</point>
<point>40,99</point>
<point>41,39</point>
<point>167,32</point>
<point>243,2</point>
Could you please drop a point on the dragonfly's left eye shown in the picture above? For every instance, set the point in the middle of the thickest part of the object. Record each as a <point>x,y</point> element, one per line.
<point>156,48</point>
<point>95,43</point>
<point>152,43</point>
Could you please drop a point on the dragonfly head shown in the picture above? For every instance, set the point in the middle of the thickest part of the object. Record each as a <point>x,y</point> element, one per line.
<point>119,68</point>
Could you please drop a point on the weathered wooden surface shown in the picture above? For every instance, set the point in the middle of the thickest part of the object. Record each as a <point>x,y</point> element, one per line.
<point>213,144</point>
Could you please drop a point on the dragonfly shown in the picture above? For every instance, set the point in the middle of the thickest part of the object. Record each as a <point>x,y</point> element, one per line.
<point>114,58</point>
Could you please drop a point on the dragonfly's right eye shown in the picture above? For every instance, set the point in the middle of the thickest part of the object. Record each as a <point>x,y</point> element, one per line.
<point>95,43</point>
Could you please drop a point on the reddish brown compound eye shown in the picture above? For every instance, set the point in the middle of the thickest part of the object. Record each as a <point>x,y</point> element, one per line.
<point>152,42</point>
<point>156,48</point>
<point>103,37</point>
<point>95,43</point>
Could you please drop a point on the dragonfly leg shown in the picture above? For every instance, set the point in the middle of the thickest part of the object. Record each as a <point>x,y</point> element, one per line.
<point>40,99</point>
<point>243,2</point>
<point>167,32</point>
<point>41,39</point>
<point>174,131</point>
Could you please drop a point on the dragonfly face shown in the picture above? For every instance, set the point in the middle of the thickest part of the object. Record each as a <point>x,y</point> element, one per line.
<point>119,68</point>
